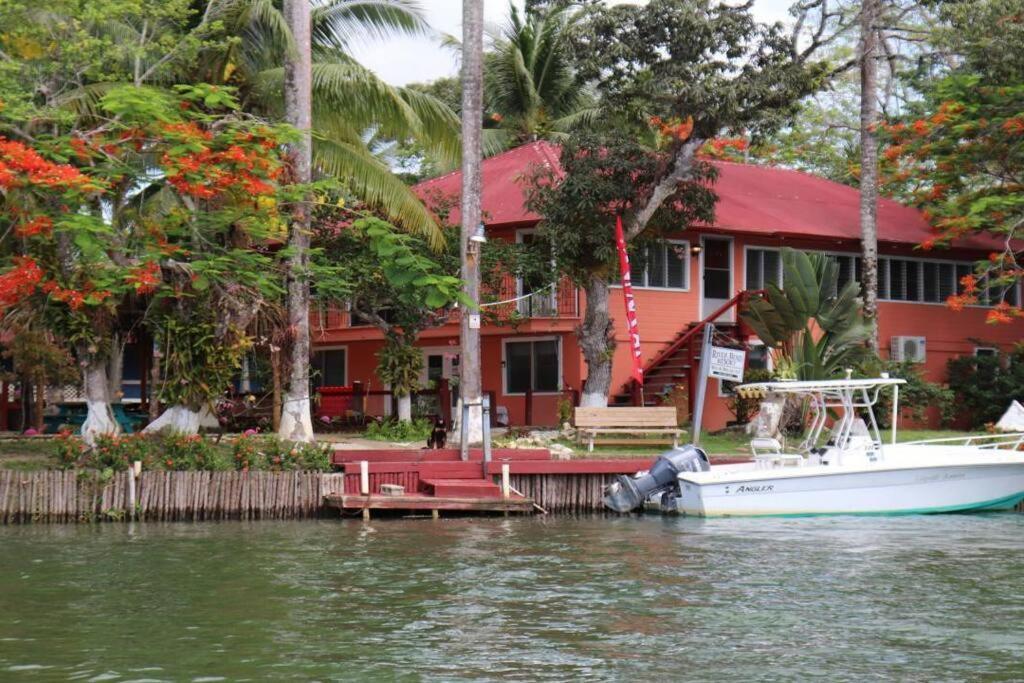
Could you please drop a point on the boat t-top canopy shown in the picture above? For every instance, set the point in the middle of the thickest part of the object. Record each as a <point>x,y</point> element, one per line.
<point>846,397</point>
<point>816,385</point>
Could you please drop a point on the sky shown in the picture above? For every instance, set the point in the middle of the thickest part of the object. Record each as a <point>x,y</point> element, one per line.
<point>416,60</point>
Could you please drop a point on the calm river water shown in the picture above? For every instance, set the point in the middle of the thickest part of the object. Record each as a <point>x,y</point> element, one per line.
<point>592,598</point>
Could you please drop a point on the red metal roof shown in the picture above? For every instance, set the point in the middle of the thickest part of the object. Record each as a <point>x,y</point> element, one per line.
<point>762,200</point>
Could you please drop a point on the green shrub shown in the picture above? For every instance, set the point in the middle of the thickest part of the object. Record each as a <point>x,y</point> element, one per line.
<point>315,456</point>
<point>393,430</point>
<point>69,450</point>
<point>191,452</point>
<point>118,452</point>
<point>984,386</point>
<point>246,454</point>
<point>565,409</point>
<point>916,396</point>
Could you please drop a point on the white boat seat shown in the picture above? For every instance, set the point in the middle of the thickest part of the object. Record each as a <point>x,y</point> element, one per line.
<point>765,444</point>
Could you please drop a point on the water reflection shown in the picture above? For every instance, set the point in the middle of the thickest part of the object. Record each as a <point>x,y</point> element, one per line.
<point>601,598</point>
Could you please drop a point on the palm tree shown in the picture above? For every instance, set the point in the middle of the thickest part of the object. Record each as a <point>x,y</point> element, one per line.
<point>296,415</point>
<point>472,113</point>
<point>343,102</point>
<point>531,86</point>
<point>816,330</point>
<point>349,100</point>
<point>867,55</point>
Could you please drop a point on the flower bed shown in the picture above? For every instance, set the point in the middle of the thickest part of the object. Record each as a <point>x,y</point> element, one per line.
<point>189,453</point>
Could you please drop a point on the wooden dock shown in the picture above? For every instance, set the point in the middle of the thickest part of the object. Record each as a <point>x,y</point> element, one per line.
<point>438,480</point>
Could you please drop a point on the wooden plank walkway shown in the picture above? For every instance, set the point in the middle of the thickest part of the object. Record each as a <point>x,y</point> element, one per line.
<point>421,502</point>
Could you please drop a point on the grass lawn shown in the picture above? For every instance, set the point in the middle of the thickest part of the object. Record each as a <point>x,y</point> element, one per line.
<point>36,453</point>
<point>26,453</point>
<point>731,443</point>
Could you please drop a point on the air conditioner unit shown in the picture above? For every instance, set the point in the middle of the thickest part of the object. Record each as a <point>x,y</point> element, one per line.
<point>907,349</point>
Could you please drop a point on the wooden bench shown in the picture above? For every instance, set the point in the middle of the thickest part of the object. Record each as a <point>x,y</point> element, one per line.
<point>593,421</point>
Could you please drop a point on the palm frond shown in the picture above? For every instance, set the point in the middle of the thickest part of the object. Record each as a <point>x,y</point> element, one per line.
<point>348,89</point>
<point>340,23</point>
<point>261,26</point>
<point>84,101</point>
<point>438,125</point>
<point>372,181</point>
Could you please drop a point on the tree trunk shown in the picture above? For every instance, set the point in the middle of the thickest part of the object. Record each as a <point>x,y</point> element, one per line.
<point>869,165</point>
<point>39,394</point>
<point>99,417</point>
<point>154,385</point>
<point>115,368</point>
<point>404,407</point>
<point>275,373</point>
<point>296,417</point>
<point>472,115</point>
<point>182,420</point>
<point>597,343</point>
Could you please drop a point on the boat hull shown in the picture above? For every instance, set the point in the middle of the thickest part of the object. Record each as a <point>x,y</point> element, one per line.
<point>877,491</point>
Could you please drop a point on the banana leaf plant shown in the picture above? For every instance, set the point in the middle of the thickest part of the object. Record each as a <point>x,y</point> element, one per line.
<point>815,330</point>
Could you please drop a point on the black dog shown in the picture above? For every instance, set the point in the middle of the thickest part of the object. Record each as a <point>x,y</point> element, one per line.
<point>439,435</point>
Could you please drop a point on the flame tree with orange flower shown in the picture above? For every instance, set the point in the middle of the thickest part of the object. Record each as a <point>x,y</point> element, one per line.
<point>961,156</point>
<point>147,218</point>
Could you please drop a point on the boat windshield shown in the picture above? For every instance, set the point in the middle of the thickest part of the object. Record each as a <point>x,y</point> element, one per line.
<point>847,400</point>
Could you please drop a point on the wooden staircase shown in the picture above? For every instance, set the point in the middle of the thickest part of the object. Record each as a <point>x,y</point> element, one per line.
<point>679,361</point>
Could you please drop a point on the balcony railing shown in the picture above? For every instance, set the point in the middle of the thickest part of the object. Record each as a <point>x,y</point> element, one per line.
<point>508,302</point>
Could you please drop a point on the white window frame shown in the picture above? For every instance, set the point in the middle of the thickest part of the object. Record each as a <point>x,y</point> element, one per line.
<point>954,263</point>
<point>993,349</point>
<point>336,347</point>
<point>504,363</point>
<point>687,270</point>
<point>447,354</point>
<point>729,315</point>
<point>748,247</point>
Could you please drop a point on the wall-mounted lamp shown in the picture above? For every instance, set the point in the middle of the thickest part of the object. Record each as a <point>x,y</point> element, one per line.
<point>696,249</point>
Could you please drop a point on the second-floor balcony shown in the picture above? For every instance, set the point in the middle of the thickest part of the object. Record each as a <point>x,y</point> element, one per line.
<point>516,299</point>
<point>511,301</point>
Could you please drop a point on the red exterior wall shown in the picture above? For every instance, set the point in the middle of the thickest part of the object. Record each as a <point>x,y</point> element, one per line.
<point>662,314</point>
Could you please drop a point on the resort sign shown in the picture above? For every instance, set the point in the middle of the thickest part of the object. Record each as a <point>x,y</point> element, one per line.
<point>727,363</point>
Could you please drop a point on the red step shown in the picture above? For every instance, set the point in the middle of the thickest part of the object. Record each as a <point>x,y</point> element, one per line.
<point>455,488</point>
<point>440,455</point>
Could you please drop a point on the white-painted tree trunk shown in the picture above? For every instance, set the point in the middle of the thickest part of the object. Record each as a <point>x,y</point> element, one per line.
<point>475,425</point>
<point>405,408</point>
<point>99,417</point>
<point>470,385</point>
<point>182,420</point>
<point>296,414</point>
<point>296,424</point>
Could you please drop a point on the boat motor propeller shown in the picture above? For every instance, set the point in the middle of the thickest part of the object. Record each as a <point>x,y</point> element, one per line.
<point>628,493</point>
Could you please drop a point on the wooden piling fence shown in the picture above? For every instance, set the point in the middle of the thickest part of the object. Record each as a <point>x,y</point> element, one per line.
<point>85,496</point>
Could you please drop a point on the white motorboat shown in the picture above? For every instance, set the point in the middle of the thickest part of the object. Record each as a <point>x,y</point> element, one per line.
<point>843,470</point>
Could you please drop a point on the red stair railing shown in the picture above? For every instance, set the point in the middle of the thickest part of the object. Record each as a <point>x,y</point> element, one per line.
<point>635,390</point>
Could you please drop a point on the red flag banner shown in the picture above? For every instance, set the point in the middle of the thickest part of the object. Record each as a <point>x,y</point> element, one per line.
<point>627,295</point>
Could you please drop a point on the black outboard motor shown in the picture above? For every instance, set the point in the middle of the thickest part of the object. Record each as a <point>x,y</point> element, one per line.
<point>628,493</point>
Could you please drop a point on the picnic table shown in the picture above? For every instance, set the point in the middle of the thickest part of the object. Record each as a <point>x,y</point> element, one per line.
<point>73,415</point>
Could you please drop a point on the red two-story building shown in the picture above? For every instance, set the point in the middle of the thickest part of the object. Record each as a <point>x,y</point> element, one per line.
<point>760,210</point>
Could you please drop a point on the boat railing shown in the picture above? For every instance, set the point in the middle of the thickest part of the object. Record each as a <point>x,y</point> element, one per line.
<point>1010,441</point>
